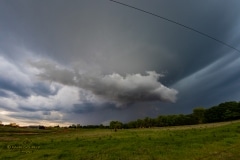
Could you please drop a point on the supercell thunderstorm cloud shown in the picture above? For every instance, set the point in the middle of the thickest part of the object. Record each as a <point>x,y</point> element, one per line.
<point>89,62</point>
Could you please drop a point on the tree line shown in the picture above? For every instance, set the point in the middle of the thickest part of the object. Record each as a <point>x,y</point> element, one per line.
<point>226,111</point>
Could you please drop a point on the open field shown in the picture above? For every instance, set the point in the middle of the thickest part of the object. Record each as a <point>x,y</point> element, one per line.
<point>198,142</point>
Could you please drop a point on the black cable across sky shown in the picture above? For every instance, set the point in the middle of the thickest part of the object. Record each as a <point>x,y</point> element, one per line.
<point>177,23</point>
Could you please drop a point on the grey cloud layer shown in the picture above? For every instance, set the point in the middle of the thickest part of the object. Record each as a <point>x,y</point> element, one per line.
<point>113,87</point>
<point>90,40</point>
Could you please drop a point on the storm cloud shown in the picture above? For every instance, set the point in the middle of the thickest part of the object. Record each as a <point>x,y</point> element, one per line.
<point>113,87</point>
<point>95,61</point>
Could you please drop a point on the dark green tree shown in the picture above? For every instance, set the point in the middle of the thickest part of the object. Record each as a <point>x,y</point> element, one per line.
<point>198,113</point>
<point>115,125</point>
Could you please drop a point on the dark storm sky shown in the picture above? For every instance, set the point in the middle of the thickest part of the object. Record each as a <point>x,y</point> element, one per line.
<point>93,61</point>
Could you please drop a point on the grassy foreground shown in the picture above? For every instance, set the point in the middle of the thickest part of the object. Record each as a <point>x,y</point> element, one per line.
<point>199,142</point>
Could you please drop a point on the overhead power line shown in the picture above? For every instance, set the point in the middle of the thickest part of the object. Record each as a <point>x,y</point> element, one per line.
<point>177,23</point>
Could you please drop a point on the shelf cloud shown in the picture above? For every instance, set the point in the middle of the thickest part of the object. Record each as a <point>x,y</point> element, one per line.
<point>112,87</point>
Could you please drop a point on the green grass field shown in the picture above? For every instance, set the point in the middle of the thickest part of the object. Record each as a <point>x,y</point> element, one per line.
<point>200,142</point>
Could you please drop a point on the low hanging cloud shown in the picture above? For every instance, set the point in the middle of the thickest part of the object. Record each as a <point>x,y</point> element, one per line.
<point>113,87</point>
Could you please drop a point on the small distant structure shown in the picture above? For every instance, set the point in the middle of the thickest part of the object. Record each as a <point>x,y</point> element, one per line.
<point>41,127</point>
